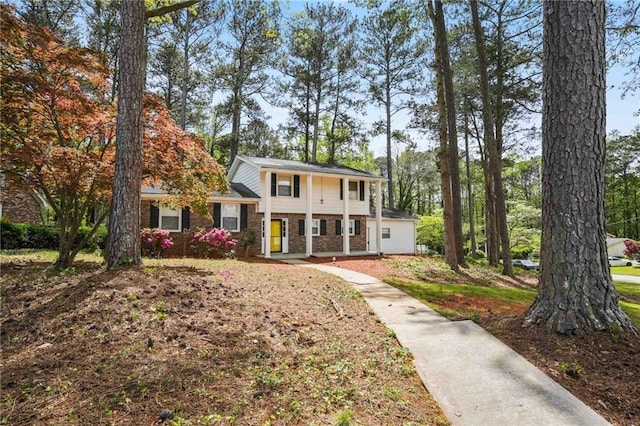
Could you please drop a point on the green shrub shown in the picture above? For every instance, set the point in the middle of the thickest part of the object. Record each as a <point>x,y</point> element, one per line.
<point>12,235</point>
<point>42,237</point>
<point>27,235</point>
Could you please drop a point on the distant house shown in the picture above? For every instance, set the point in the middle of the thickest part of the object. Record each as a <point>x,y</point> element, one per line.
<point>18,203</point>
<point>308,209</point>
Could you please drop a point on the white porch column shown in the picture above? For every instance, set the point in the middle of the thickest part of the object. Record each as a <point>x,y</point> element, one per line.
<point>307,223</point>
<point>267,215</point>
<point>379,216</point>
<point>345,216</point>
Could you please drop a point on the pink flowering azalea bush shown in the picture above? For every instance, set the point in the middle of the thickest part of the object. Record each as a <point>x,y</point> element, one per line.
<point>155,241</point>
<point>632,249</point>
<point>214,242</point>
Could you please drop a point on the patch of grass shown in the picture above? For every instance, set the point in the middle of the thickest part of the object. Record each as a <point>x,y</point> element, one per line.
<point>627,289</point>
<point>442,292</point>
<point>626,270</point>
<point>633,311</point>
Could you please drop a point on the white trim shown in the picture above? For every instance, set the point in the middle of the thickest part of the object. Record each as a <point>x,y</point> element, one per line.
<point>267,215</point>
<point>345,215</point>
<point>379,217</point>
<point>309,217</point>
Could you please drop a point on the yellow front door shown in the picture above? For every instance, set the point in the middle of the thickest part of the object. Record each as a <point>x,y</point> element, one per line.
<point>276,235</point>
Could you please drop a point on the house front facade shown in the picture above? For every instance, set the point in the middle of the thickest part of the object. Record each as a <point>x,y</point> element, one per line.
<point>308,208</point>
<point>293,208</point>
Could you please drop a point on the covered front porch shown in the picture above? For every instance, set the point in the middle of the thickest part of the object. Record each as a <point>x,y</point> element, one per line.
<point>331,254</point>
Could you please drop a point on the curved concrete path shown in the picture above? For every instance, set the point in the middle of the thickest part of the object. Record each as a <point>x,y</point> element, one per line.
<point>476,379</point>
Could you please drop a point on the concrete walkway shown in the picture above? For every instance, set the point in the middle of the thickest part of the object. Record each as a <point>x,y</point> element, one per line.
<point>475,378</point>
<point>626,278</point>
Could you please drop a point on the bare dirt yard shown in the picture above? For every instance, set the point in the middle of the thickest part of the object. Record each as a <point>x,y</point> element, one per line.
<point>193,342</point>
<point>602,369</point>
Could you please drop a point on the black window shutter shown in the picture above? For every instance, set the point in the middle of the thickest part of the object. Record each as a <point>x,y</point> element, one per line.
<point>155,216</point>
<point>186,218</point>
<point>217,215</point>
<point>243,216</point>
<point>323,227</point>
<point>361,190</point>
<point>274,184</point>
<point>301,227</point>
<point>338,227</point>
<point>357,225</point>
<point>341,190</point>
<point>296,186</point>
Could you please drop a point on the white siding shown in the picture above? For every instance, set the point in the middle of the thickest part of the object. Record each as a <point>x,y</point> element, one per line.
<point>403,236</point>
<point>249,176</point>
<point>325,197</point>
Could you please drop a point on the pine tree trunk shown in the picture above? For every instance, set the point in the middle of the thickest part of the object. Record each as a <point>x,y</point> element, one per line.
<point>576,294</point>
<point>390,199</point>
<point>452,132</point>
<point>495,163</point>
<point>124,224</point>
<point>472,227</point>
<point>443,155</point>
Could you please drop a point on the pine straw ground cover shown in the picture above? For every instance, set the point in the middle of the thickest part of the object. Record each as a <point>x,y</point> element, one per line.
<point>187,342</point>
<point>602,369</point>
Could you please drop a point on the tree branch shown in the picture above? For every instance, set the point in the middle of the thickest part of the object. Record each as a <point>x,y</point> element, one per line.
<point>168,9</point>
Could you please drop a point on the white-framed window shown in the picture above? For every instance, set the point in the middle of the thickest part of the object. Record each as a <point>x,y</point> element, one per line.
<point>315,227</point>
<point>230,217</point>
<point>353,190</point>
<point>284,186</point>
<point>352,227</point>
<point>169,219</point>
<point>386,233</point>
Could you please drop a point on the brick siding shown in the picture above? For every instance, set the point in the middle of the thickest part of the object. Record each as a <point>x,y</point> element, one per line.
<point>19,205</point>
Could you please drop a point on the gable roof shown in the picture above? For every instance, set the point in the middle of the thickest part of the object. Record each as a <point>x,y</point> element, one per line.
<point>299,166</point>
<point>236,191</point>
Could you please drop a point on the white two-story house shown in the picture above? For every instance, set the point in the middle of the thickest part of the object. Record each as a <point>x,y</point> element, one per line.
<point>295,208</point>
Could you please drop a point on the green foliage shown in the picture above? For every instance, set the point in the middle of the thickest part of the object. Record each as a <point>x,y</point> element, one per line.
<point>430,230</point>
<point>26,235</point>
<point>572,369</point>
<point>345,418</point>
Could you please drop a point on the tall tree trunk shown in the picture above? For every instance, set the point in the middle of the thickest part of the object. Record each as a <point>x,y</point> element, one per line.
<point>495,168</point>
<point>390,199</point>
<point>443,155</point>
<point>185,75</point>
<point>472,228</point>
<point>316,125</point>
<point>576,294</point>
<point>236,120</point>
<point>452,132</point>
<point>124,223</point>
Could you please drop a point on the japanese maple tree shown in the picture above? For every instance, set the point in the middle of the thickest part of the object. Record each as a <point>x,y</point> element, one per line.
<point>58,132</point>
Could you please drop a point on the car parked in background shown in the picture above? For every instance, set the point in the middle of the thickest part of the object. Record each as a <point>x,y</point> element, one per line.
<point>619,261</point>
<point>526,264</point>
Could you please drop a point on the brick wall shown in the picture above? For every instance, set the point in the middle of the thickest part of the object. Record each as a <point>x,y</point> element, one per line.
<point>181,240</point>
<point>19,205</point>
<point>322,243</point>
<point>297,243</point>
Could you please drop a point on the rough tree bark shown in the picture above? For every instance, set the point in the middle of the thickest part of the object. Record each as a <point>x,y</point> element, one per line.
<point>124,225</point>
<point>443,156</point>
<point>495,162</point>
<point>452,131</point>
<point>576,294</point>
